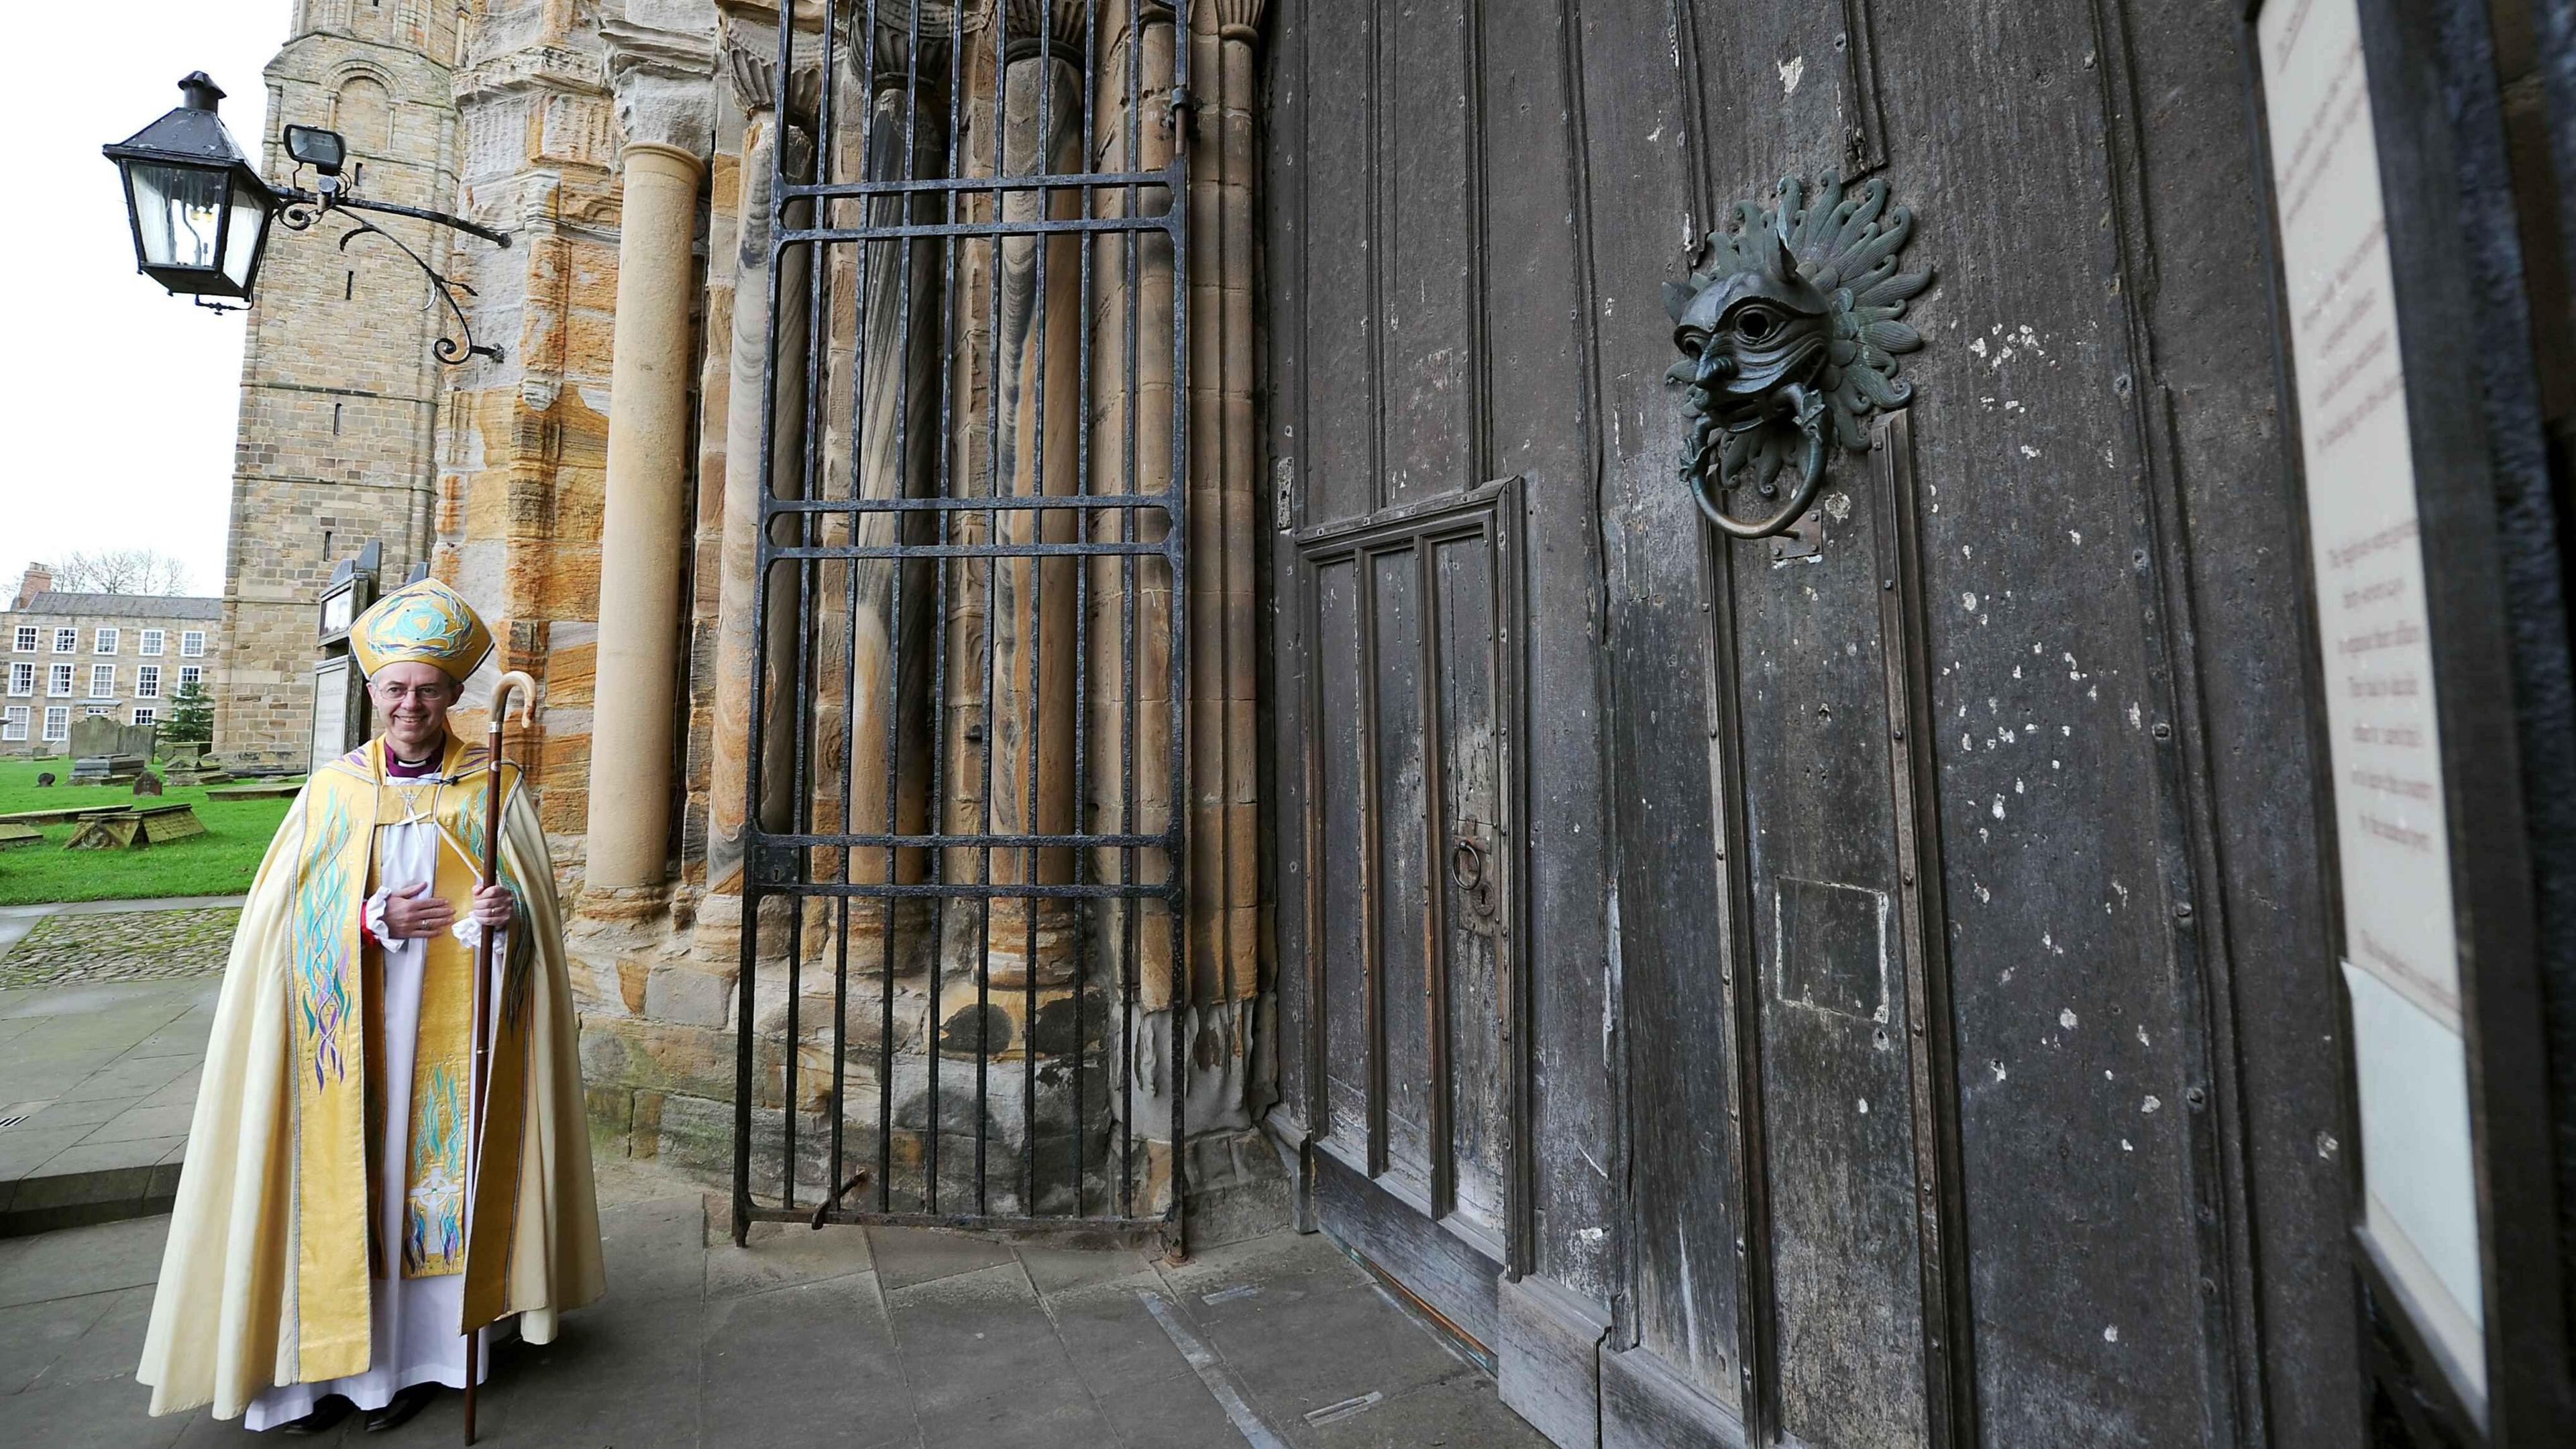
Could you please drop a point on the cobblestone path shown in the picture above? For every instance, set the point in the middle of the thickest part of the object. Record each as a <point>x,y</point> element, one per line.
<point>121,946</point>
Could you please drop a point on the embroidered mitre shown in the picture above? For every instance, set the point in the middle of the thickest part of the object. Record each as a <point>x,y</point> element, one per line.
<point>425,622</point>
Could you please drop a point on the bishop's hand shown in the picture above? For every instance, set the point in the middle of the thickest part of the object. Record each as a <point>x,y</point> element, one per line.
<point>411,913</point>
<point>493,905</point>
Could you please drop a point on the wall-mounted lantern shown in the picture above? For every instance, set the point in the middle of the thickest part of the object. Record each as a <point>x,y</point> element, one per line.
<point>200,212</point>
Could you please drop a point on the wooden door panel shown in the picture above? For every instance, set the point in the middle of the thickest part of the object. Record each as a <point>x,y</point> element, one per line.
<point>2063,861</point>
<point>1426,299</point>
<point>1337,140</point>
<point>1836,1049</point>
<point>1397,892</point>
<point>2092,1199</point>
<point>1412,772</point>
<point>1685,1220</point>
<point>1473,882</point>
<point>1341,1060</point>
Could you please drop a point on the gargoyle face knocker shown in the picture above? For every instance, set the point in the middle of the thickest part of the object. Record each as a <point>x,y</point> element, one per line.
<point>1790,335</point>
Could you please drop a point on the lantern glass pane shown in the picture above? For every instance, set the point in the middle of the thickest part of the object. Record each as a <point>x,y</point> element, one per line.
<point>177,212</point>
<point>241,244</point>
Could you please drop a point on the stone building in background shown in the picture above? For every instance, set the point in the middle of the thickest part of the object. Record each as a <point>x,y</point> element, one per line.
<point>339,394</point>
<point>66,656</point>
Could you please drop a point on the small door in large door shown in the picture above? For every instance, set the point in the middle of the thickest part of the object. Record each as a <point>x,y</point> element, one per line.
<point>1408,835</point>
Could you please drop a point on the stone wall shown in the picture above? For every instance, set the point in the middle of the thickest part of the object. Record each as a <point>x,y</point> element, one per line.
<point>339,395</point>
<point>522,443</point>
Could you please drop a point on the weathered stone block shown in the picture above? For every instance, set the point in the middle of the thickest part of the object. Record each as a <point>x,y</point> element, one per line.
<point>571,587</point>
<point>571,670</point>
<point>687,993</point>
<point>690,1061</point>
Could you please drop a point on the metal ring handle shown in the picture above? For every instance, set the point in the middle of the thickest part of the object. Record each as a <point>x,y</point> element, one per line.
<point>1467,864</point>
<point>1811,422</point>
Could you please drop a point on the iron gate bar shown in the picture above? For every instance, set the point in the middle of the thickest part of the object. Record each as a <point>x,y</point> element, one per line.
<point>1093,502</point>
<point>954,550</point>
<point>898,841</point>
<point>1047,181</point>
<point>779,862</point>
<point>802,236</point>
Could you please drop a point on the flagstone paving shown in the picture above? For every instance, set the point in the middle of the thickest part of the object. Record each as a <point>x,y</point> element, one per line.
<point>850,1337</point>
<point>861,1338</point>
<point>97,1082</point>
<point>104,1011</point>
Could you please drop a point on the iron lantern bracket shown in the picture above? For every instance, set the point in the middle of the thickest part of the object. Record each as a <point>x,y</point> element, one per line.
<point>304,208</point>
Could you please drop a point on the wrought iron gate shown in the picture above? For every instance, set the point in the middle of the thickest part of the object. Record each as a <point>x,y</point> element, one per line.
<point>966,772</point>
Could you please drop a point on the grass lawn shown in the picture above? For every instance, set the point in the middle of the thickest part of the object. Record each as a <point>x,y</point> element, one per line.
<point>217,863</point>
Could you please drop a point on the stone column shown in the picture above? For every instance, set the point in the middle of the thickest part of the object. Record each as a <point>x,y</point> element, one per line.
<point>661,79</point>
<point>740,592</point>
<point>895,353</point>
<point>1132,785</point>
<point>1028,427</point>
<point>1225,698</point>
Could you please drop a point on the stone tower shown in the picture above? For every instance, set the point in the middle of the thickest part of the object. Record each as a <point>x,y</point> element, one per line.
<point>340,394</point>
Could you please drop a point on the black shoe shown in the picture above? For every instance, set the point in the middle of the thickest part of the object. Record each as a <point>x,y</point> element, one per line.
<point>331,1410</point>
<point>398,1413</point>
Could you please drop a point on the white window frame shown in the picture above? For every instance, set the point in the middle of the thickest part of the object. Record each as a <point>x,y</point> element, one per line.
<point>145,714</point>
<point>28,639</point>
<point>22,680</point>
<point>151,642</point>
<point>191,674</point>
<point>102,681</point>
<point>147,681</point>
<point>97,711</point>
<point>58,722</point>
<point>67,641</point>
<point>192,644</point>
<point>106,641</point>
<point>13,723</point>
<point>58,682</point>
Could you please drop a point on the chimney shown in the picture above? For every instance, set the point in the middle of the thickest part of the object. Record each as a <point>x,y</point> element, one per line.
<point>39,578</point>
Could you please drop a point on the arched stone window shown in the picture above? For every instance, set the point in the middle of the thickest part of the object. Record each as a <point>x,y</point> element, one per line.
<point>364,113</point>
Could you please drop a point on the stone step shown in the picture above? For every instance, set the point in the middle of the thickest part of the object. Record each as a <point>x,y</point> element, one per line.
<point>110,1192</point>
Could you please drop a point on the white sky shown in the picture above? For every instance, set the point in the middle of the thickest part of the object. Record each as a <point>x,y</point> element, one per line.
<point>118,400</point>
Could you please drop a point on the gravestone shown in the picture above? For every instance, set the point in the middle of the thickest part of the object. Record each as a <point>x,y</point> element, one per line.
<point>257,790</point>
<point>147,783</point>
<point>38,819</point>
<point>263,764</point>
<point>13,836</point>
<point>96,734</point>
<point>189,764</point>
<point>165,823</point>
<point>102,752</point>
<point>44,778</point>
<point>105,769</point>
<point>135,829</point>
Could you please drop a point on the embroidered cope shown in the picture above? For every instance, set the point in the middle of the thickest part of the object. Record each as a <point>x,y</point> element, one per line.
<point>322,1240</point>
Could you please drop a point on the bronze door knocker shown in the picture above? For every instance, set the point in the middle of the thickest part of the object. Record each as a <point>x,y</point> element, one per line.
<point>1791,331</point>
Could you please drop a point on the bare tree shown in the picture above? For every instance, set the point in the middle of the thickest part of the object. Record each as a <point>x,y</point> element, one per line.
<point>121,571</point>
